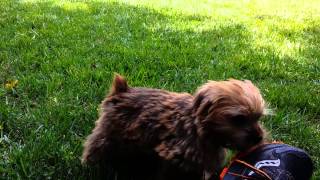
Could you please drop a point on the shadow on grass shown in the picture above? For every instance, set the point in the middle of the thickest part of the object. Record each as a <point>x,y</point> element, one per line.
<point>68,51</point>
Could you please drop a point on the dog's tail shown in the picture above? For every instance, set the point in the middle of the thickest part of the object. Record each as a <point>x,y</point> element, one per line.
<point>119,85</point>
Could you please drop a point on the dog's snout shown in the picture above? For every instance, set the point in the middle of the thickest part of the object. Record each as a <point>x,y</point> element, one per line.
<point>257,139</point>
<point>256,134</point>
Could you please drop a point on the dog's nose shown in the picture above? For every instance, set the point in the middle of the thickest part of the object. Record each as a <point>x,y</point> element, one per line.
<point>257,139</point>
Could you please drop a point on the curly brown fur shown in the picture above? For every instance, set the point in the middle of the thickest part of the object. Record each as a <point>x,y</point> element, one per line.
<point>167,135</point>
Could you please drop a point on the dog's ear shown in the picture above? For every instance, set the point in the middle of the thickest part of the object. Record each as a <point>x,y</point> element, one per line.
<point>119,85</point>
<point>201,105</point>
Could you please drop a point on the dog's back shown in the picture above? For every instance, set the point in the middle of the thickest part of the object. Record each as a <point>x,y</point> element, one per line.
<point>144,114</point>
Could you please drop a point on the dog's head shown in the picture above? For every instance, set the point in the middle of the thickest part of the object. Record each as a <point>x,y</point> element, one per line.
<point>227,113</point>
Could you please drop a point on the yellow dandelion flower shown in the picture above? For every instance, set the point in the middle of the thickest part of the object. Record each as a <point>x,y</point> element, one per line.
<point>11,84</point>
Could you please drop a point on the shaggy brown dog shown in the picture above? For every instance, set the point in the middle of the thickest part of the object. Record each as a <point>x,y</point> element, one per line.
<point>156,134</point>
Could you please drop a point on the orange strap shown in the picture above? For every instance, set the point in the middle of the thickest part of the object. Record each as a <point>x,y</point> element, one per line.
<point>241,154</point>
<point>242,176</point>
<point>256,170</point>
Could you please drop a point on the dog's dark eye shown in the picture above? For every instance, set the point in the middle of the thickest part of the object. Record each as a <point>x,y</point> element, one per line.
<point>239,120</point>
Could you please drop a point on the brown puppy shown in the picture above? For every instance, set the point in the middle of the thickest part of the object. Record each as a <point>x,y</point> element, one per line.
<point>167,135</point>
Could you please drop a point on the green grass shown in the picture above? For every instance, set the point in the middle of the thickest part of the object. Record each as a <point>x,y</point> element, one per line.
<point>64,54</point>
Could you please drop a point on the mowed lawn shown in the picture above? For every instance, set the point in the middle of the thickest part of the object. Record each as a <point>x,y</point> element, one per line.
<point>57,60</point>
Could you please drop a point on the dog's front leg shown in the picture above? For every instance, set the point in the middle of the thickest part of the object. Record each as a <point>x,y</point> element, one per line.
<point>96,143</point>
